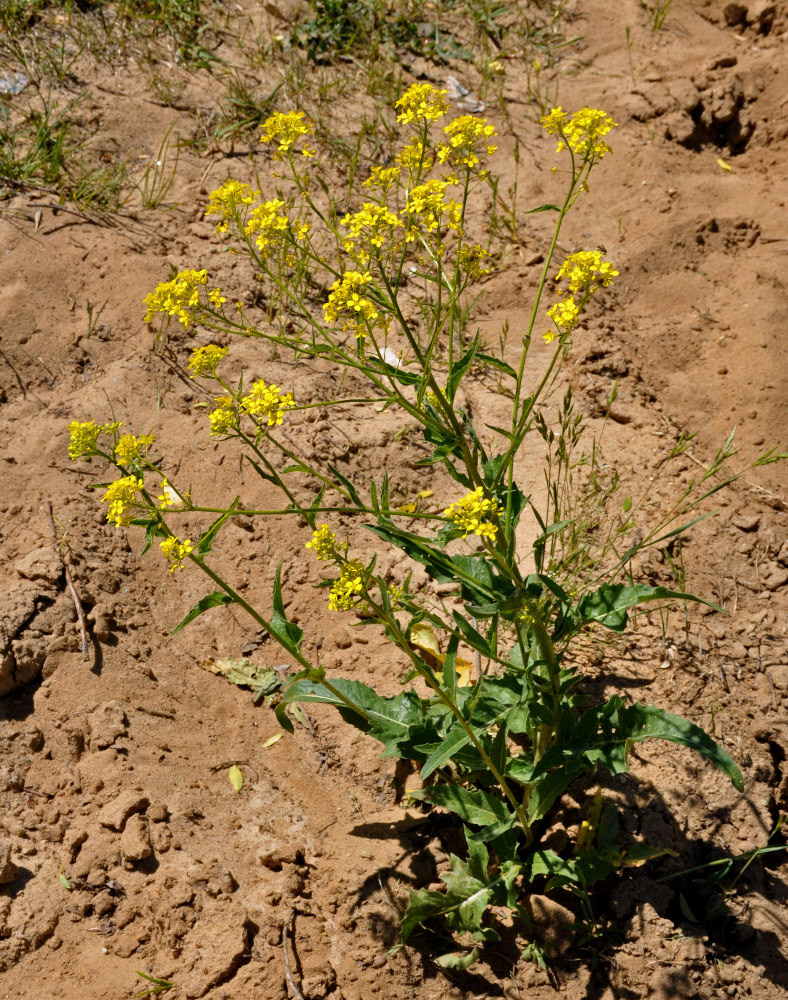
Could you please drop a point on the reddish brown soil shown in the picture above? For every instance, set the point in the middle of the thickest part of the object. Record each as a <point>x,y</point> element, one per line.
<point>127,753</point>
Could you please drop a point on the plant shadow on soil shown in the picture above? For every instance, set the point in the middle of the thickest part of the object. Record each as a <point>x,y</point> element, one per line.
<point>722,934</point>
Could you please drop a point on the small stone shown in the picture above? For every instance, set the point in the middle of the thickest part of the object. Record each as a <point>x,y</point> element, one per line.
<point>734,13</point>
<point>135,843</point>
<point>774,575</point>
<point>8,870</point>
<point>379,962</point>
<point>40,564</point>
<point>746,522</point>
<point>553,924</point>
<point>115,814</point>
<point>107,724</point>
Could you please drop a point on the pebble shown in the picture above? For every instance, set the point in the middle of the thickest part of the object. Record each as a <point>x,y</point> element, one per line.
<point>8,870</point>
<point>115,814</point>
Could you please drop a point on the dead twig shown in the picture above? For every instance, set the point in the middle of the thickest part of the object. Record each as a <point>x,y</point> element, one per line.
<point>292,987</point>
<point>74,595</point>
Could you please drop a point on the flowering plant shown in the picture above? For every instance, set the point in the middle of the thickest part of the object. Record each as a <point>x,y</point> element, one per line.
<point>498,744</point>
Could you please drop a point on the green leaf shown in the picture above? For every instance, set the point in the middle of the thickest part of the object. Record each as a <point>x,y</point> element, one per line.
<point>235,777</point>
<point>456,739</point>
<point>543,208</point>
<point>607,733</point>
<point>351,489</point>
<point>459,369</point>
<point>288,633</point>
<point>214,600</point>
<point>608,606</point>
<point>488,359</point>
<point>477,807</point>
<point>207,538</point>
<point>393,721</point>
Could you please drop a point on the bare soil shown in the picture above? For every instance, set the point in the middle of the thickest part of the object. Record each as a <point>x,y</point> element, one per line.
<point>113,768</point>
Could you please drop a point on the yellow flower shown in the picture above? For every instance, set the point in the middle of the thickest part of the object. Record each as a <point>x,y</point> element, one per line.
<point>269,225</point>
<point>472,514</point>
<point>179,297</point>
<point>83,438</point>
<point>467,135</point>
<point>224,417</point>
<point>583,132</point>
<point>323,543</point>
<point>286,130</point>
<point>352,583</point>
<point>347,301</point>
<point>428,201</point>
<point>382,179</point>
<point>121,496</point>
<point>268,402</point>
<point>204,360</point>
<point>227,201</point>
<point>586,272</point>
<point>129,448</point>
<point>375,223</point>
<point>565,314</point>
<point>421,103</point>
<point>413,156</point>
<point>176,551</point>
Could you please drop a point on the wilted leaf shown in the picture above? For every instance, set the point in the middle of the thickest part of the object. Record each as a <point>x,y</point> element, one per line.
<point>423,638</point>
<point>272,739</point>
<point>264,680</point>
<point>236,778</point>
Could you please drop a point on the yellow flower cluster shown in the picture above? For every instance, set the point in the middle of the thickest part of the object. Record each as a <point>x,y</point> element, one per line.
<point>268,402</point>
<point>586,272</point>
<point>131,448</point>
<point>176,551</point>
<point>224,417</point>
<point>227,200</point>
<point>467,134</point>
<point>269,225</point>
<point>83,438</point>
<point>565,315</point>
<point>469,259</point>
<point>421,103</point>
<point>346,301</point>
<point>414,157</point>
<point>121,496</point>
<point>180,297</point>
<point>472,514</point>
<point>204,360</point>
<point>382,179</point>
<point>323,543</point>
<point>428,201</point>
<point>286,130</point>
<point>582,132</point>
<point>352,583</point>
<point>374,223</point>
